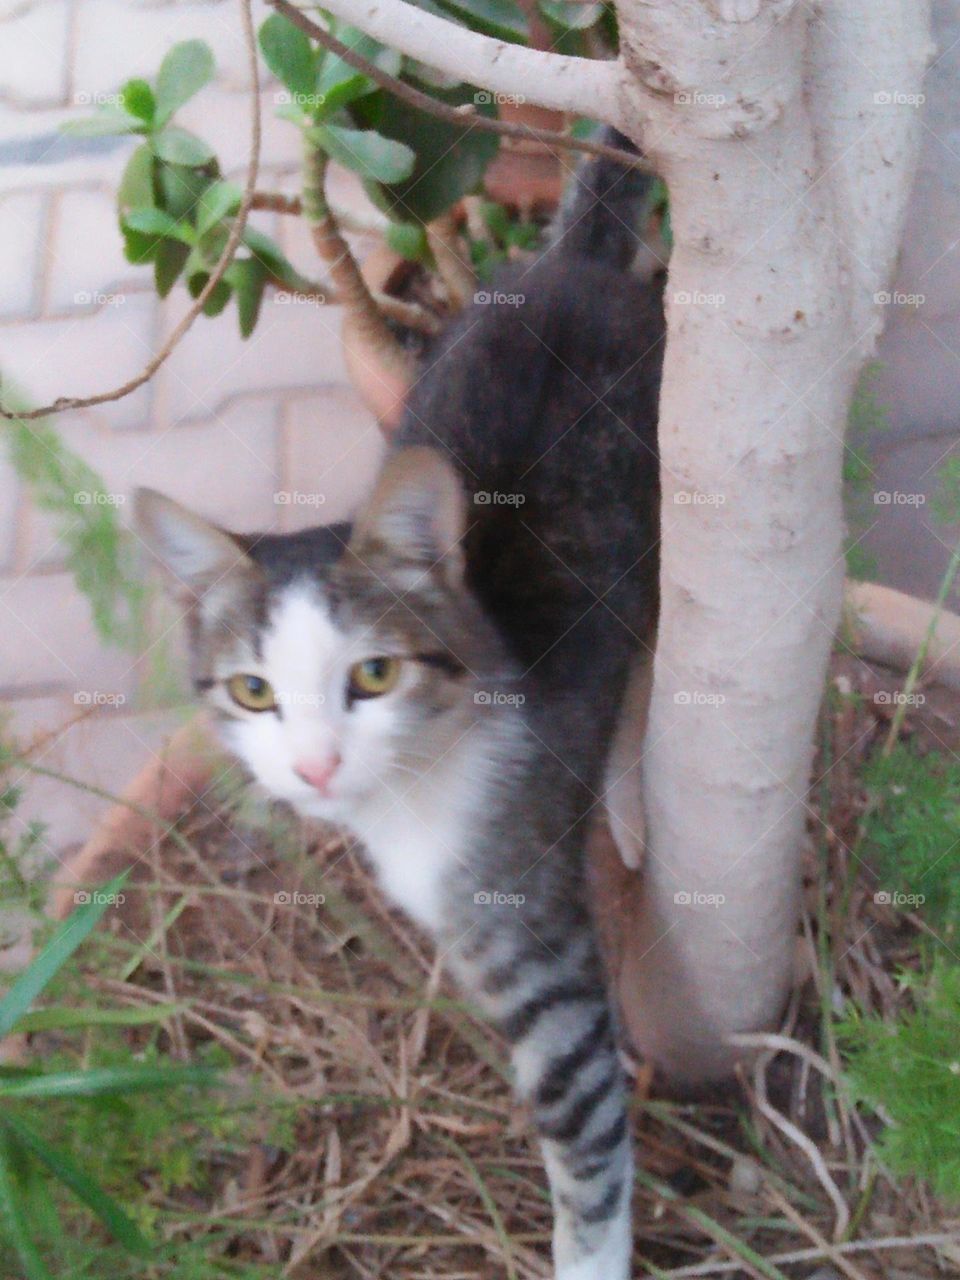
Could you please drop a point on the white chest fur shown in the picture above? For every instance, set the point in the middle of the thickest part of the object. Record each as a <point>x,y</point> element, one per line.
<point>416,834</point>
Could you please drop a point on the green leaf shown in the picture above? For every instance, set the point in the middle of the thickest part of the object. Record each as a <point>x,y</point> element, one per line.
<point>44,967</point>
<point>501,18</point>
<point>105,1082</point>
<point>269,253</point>
<point>65,1168</point>
<point>181,188</point>
<point>177,146</point>
<point>108,122</point>
<point>137,247</point>
<point>290,111</point>
<point>289,55</point>
<point>219,297</point>
<point>138,99</point>
<point>184,71</point>
<point>365,152</point>
<point>157,222</point>
<point>219,201</point>
<point>339,83</point>
<point>409,239</point>
<point>14,1213</point>
<point>450,161</point>
<point>570,14</point>
<point>136,186</point>
<point>168,262</point>
<point>248,278</point>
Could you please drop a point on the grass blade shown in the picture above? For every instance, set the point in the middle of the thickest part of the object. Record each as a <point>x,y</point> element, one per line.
<point>106,1081</point>
<point>13,1208</point>
<point>64,1167</point>
<point>63,1018</point>
<point>61,947</point>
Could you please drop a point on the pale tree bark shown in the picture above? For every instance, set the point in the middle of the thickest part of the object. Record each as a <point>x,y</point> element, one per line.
<point>787,135</point>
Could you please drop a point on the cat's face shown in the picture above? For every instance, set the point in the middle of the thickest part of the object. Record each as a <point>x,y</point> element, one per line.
<point>343,678</point>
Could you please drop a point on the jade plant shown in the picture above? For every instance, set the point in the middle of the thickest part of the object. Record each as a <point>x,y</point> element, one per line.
<point>176,209</point>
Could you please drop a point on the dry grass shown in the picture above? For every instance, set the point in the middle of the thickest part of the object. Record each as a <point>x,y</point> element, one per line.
<point>409,1158</point>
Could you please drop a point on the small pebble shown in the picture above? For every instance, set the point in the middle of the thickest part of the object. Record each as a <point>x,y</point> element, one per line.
<point>745,1176</point>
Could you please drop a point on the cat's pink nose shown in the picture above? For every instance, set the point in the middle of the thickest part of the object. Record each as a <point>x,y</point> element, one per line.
<point>318,773</point>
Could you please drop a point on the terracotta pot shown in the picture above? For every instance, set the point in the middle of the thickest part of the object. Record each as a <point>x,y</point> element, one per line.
<point>529,175</point>
<point>382,388</point>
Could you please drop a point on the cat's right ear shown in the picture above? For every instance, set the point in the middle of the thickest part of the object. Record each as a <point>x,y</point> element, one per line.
<point>199,559</point>
<point>416,514</point>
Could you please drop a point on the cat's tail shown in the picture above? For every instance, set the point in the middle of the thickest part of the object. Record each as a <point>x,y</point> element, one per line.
<point>601,213</point>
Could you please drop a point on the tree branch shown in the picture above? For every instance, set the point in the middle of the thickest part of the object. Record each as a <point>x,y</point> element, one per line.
<point>583,86</point>
<point>64,403</point>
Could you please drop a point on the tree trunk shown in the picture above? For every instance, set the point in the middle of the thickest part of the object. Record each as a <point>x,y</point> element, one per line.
<point>788,183</point>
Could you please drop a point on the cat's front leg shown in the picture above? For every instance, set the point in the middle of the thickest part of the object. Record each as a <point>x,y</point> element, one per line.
<point>551,1004</point>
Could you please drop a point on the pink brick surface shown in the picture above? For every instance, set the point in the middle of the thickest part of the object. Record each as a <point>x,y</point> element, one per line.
<point>93,351</point>
<point>34,72</point>
<point>75,280</point>
<point>22,228</point>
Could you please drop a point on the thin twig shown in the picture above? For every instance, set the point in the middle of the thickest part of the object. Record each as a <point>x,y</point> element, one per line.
<point>463,118</point>
<point>931,1240</point>
<point>63,403</point>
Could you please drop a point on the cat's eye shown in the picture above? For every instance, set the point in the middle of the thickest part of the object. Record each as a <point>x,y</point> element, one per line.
<point>373,677</point>
<point>253,693</point>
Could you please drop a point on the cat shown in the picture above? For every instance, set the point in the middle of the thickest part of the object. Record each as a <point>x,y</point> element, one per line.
<point>443,676</point>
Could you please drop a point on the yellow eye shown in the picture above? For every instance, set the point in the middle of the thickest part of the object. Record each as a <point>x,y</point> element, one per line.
<point>373,677</point>
<point>252,692</point>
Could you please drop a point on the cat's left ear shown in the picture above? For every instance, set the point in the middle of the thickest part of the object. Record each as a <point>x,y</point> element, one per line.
<point>416,514</point>
<point>203,563</point>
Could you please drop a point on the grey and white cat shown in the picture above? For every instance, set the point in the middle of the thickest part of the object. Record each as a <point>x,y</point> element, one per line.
<point>444,677</point>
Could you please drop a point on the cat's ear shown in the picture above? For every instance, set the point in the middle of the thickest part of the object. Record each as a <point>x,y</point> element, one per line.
<point>198,558</point>
<point>416,514</point>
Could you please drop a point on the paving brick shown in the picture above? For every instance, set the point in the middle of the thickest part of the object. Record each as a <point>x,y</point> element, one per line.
<point>332,448</point>
<point>293,345</point>
<point>85,258</point>
<point>23,228</point>
<point>226,467</point>
<point>49,641</point>
<point>84,355</point>
<point>38,36</point>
